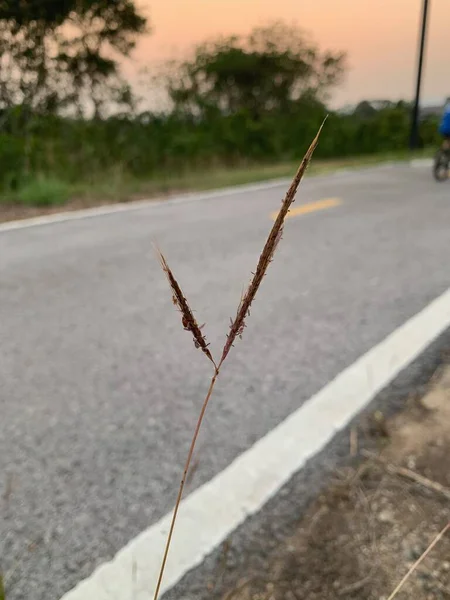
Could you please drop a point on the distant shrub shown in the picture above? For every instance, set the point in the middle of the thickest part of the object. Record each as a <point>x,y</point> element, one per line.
<point>11,161</point>
<point>44,191</point>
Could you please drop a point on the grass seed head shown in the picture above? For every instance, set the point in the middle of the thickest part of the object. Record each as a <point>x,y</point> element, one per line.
<point>236,328</point>
<point>238,325</point>
<point>187,317</point>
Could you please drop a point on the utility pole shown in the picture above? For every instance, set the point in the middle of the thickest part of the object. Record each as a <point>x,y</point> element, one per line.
<point>414,140</point>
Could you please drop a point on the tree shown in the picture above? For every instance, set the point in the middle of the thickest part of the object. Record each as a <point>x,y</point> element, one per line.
<point>56,53</point>
<point>364,110</point>
<point>267,71</point>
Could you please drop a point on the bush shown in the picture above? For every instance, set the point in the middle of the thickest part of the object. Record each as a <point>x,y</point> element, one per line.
<point>85,152</point>
<point>11,161</point>
<point>44,191</point>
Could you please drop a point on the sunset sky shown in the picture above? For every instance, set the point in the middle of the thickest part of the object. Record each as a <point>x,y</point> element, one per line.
<point>380,37</point>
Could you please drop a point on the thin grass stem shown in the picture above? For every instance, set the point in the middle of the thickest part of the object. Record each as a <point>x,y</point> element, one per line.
<point>236,329</point>
<point>183,481</point>
<point>419,560</point>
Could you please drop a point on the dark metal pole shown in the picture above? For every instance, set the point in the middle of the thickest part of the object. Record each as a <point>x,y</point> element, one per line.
<point>414,141</point>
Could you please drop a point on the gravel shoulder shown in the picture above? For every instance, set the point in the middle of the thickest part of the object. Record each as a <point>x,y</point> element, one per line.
<point>368,527</point>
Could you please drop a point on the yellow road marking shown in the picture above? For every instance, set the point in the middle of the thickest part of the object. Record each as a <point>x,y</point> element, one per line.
<point>304,209</point>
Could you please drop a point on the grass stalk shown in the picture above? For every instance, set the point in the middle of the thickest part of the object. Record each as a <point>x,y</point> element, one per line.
<point>439,536</point>
<point>236,329</point>
<point>183,481</point>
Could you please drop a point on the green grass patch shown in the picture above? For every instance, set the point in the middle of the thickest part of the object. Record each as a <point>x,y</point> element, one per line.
<point>117,186</point>
<point>44,192</point>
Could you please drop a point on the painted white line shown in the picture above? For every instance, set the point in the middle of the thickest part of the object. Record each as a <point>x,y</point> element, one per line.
<point>111,209</point>
<point>214,510</point>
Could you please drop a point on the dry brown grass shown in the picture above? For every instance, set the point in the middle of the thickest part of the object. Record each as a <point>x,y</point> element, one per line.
<point>187,316</point>
<point>421,558</point>
<point>237,325</point>
<point>275,235</point>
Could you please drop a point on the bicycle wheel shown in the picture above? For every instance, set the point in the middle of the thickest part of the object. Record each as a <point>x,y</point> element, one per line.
<point>441,166</point>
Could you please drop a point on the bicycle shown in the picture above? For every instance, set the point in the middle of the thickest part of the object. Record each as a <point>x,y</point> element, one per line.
<point>441,164</point>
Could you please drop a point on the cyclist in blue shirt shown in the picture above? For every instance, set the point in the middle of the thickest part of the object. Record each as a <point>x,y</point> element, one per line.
<point>444,127</point>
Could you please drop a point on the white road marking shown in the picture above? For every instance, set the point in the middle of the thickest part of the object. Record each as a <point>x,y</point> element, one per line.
<point>213,511</point>
<point>110,209</point>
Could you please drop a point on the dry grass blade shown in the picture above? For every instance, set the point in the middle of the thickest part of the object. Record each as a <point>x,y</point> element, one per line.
<point>187,317</point>
<point>236,329</point>
<point>419,560</point>
<point>183,482</point>
<point>238,325</point>
<point>409,474</point>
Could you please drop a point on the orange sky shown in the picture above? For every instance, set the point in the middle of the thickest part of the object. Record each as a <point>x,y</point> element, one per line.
<point>380,37</point>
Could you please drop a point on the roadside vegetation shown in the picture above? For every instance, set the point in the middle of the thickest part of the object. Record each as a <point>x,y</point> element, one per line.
<point>239,109</point>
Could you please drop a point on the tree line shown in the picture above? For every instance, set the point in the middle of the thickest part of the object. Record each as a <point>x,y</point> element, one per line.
<point>66,110</point>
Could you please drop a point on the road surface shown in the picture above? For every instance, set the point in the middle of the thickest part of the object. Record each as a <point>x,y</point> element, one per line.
<point>100,387</point>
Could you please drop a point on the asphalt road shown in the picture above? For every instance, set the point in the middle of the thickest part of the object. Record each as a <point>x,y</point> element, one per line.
<point>100,387</point>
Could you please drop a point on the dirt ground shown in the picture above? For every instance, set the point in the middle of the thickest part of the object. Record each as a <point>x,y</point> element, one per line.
<point>370,526</point>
